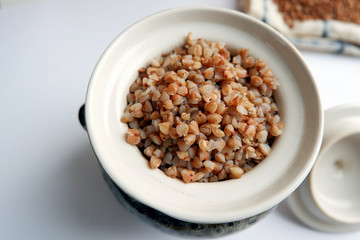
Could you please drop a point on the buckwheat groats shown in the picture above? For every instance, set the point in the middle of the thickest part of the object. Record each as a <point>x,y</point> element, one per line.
<point>301,10</point>
<point>201,114</point>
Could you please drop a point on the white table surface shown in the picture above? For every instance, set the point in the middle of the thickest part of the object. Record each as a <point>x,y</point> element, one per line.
<point>50,182</point>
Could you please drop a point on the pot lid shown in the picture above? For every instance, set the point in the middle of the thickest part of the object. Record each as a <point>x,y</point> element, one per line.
<point>329,198</point>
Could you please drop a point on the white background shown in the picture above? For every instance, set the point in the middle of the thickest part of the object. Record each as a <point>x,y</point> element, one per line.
<point>50,182</point>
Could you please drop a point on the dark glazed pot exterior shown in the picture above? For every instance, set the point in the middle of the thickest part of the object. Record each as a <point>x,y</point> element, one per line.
<point>174,226</point>
<point>169,224</point>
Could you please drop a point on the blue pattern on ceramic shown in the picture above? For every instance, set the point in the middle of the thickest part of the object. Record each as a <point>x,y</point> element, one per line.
<point>326,29</point>
<point>265,11</point>
<point>325,43</point>
<point>174,226</point>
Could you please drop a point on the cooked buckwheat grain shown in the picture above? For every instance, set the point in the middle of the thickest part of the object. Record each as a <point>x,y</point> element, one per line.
<point>201,114</point>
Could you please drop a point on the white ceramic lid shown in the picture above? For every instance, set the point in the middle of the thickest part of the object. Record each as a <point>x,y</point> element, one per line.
<point>329,199</point>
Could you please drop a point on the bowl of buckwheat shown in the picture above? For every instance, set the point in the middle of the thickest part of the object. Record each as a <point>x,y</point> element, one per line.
<point>202,119</point>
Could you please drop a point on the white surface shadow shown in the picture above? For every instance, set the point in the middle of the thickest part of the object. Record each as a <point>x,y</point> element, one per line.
<point>285,212</point>
<point>92,205</point>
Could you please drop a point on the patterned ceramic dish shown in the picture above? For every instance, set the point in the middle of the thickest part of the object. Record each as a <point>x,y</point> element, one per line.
<point>202,209</point>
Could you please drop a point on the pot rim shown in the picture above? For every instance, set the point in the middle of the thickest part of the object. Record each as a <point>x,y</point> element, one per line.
<point>213,209</point>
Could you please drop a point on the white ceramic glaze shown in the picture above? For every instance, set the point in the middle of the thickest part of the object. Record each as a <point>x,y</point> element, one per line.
<point>293,154</point>
<point>329,200</point>
<point>335,180</point>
